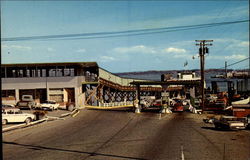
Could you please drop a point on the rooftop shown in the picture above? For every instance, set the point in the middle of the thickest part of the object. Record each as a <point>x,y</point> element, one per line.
<point>80,64</point>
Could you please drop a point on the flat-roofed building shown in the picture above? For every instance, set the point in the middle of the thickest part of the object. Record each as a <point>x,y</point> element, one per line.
<point>61,82</point>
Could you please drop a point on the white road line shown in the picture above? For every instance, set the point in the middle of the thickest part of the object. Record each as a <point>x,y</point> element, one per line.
<point>159,115</point>
<point>182,154</point>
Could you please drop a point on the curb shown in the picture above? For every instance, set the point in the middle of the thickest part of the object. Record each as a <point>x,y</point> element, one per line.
<point>23,125</point>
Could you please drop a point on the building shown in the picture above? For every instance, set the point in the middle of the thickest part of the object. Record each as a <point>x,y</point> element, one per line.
<point>61,82</point>
<point>82,83</point>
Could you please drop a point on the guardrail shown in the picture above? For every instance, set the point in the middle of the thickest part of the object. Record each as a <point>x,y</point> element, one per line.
<point>113,104</point>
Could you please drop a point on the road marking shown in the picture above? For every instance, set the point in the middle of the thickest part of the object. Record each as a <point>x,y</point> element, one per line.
<point>182,154</point>
<point>73,115</point>
<point>160,116</point>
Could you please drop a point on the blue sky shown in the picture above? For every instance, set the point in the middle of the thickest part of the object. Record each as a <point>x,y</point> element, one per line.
<point>162,51</point>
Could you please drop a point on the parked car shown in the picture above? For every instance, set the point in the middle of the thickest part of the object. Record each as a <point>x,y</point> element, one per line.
<point>48,105</point>
<point>26,102</point>
<point>11,115</point>
<point>230,122</point>
<point>7,105</point>
<point>70,106</point>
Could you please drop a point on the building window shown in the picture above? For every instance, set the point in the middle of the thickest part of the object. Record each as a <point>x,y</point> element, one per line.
<point>20,73</point>
<point>52,73</point>
<point>38,73</point>
<point>72,72</point>
<point>43,72</point>
<point>27,73</point>
<point>69,72</point>
<point>13,73</point>
<point>59,72</point>
<point>33,73</point>
<point>66,72</point>
<point>3,72</point>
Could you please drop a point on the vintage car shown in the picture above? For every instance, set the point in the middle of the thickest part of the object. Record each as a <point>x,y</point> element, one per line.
<point>7,105</point>
<point>178,106</point>
<point>27,102</point>
<point>230,122</point>
<point>11,115</point>
<point>48,105</point>
<point>70,106</point>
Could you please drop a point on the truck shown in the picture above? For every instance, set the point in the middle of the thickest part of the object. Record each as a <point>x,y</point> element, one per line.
<point>27,102</point>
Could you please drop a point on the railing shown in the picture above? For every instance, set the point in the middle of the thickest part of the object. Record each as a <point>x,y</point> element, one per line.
<point>119,80</point>
<point>113,104</point>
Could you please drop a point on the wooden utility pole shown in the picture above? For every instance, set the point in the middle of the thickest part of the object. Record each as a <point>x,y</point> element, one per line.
<point>225,69</point>
<point>202,51</point>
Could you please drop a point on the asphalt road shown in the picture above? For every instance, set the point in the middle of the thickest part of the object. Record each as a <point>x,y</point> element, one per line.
<point>116,135</point>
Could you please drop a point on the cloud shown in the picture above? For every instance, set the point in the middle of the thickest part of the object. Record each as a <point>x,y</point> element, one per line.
<point>174,50</point>
<point>82,50</point>
<point>230,57</point>
<point>236,56</point>
<point>244,43</point>
<point>50,49</point>
<point>106,58</point>
<point>135,49</point>
<point>17,47</point>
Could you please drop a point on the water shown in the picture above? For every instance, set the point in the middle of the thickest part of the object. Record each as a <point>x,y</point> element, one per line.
<point>156,76</point>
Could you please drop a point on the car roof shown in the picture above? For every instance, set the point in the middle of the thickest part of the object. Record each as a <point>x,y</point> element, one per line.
<point>229,117</point>
<point>10,108</point>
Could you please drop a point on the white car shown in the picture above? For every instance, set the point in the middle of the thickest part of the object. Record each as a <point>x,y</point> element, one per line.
<point>11,115</point>
<point>49,105</point>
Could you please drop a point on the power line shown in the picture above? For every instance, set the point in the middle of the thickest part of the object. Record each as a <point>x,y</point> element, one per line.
<point>120,33</point>
<point>236,62</point>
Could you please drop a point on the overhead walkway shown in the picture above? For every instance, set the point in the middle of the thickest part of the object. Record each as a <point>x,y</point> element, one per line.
<point>110,91</point>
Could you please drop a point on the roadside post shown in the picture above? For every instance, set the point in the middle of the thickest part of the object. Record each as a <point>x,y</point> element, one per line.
<point>137,100</point>
<point>165,101</point>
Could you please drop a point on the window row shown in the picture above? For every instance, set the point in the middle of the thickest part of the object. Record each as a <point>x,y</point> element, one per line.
<point>8,73</point>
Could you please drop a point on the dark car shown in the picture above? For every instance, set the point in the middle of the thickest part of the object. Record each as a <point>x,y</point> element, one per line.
<point>27,102</point>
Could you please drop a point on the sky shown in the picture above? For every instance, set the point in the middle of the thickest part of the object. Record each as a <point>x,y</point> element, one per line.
<point>157,51</point>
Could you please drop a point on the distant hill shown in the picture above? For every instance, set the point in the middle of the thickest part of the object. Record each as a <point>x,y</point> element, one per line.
<point>170,71</point>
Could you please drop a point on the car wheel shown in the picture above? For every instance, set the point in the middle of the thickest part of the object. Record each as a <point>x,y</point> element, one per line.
<point>71,107</point>
<point>4,121</point>
<point>28,120</point>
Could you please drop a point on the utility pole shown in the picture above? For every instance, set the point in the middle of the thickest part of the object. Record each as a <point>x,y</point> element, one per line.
<point>225,69</point>
<point>202,51</point>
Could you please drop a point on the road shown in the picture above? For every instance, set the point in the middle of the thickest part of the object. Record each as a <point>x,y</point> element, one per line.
<point>118,135</point>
